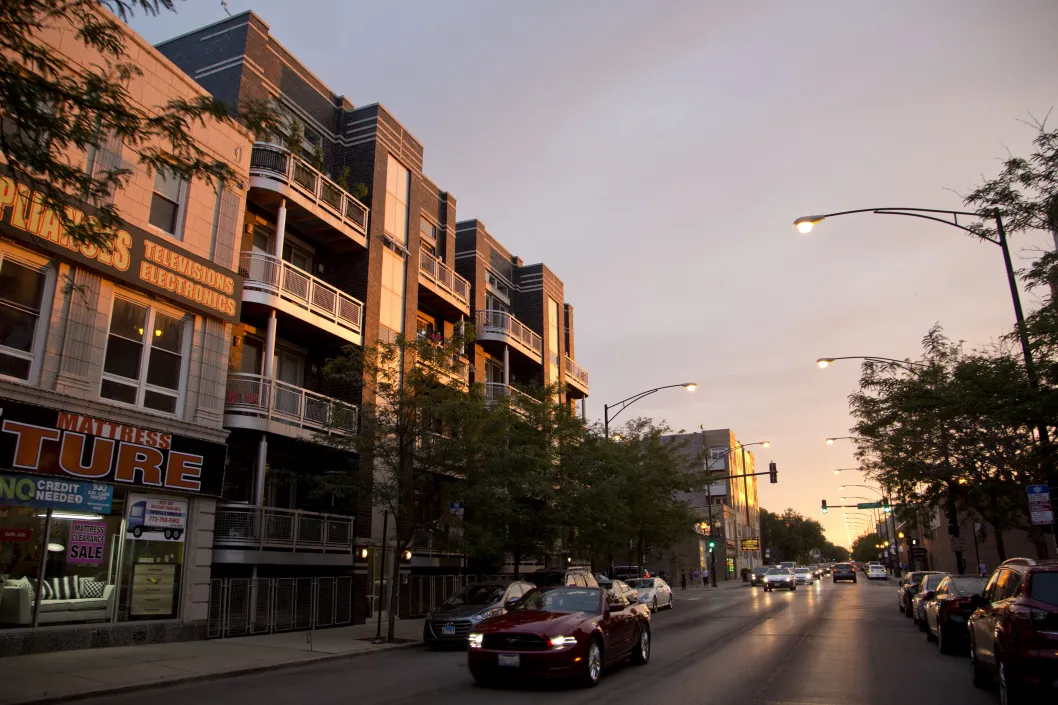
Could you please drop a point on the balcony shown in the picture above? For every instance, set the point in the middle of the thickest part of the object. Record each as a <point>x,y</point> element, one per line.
<point>576,376</point>
<point>502,327</point>
<point>257,403</point>
<point>497,391</point>
<point>245,526</point>
<point>277,283</point>
<point>442,285</point>
<point>316,205</point>
<point>452,371</point>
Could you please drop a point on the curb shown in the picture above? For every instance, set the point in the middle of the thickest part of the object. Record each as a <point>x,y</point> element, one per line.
<point>204,677</point>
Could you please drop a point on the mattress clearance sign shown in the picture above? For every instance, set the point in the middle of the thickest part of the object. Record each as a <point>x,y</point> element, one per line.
<point>82,450</point>
<point>136,257</point>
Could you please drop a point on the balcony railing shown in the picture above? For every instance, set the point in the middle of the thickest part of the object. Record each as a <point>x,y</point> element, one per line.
<point>503,323</point>
<point>272,275</point>
<point>247,526</point>
<point>445,278</point>
<point>277,163</point>
<point>497,391</point>
<point>256,395</point>
<point>577,372</point>
<point>455,369</point>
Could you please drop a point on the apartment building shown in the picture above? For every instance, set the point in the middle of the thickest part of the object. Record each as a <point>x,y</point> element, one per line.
<point>324,269</point>
<point>523,325</point>
<point>729,504</point>
<point>112,370</point>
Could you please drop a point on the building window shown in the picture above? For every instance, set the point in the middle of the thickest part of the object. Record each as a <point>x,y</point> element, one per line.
<point>391,315</point>
<point>397,184</point>
<point>22,289</point>
<point>428,230</point>
<point>144,364</point>
<point>167,203</point>
<point>552,340</point>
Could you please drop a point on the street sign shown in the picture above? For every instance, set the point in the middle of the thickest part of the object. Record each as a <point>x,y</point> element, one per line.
<point>869,505</point>
<point>750,544</point>
<point>918,551</point>
<point>958,543</point>
<point>455,508</point>
<point>1042,517</point>
<point>1039,493</point>
<point>1040,504</point>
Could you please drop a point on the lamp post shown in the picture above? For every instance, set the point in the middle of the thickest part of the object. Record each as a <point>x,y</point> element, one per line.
<point>830,441</point>
<point>806,223</point>
<point>624,403</point>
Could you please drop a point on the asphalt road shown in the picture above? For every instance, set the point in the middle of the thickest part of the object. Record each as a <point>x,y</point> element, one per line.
<point>825,644</point>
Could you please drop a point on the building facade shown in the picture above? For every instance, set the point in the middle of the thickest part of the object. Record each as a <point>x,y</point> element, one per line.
<point>112,373</point>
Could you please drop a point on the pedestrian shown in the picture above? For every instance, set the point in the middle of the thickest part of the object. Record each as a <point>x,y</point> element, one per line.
<point>705,576</point>
<point>683,580</point>
<point>694,576</point>
<point>981,568</point>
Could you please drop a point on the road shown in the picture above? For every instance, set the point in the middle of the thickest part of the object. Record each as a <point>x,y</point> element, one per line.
<point>825,644</point>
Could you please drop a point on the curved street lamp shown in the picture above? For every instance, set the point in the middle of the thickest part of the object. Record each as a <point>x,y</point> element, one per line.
<point>830,441</point>
<point>624,403</point>
<point>841,470</point>
<point>805,224</point>
<point>825,362</point>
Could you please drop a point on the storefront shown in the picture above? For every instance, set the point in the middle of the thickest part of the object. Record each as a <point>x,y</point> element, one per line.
<point>96,516</point>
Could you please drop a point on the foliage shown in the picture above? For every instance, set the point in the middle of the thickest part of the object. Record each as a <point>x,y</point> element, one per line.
<point>792,537</point>
<point>57,113</point>
<point>865,548</point>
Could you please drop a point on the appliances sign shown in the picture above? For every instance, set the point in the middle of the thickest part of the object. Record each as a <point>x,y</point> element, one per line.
<point>84,450</point>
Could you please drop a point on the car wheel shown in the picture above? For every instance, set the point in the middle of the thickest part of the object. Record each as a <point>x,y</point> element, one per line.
<point>671,601</point>
<point>593,664</point>
<point>929,632</point>
<point>485,679</point>
<point>979,679</point>
<point>641,654</point>
<point>922,626</point>
<point>835,581</point>
<point>907,610</point>
<point>654,606</point>
<point>1009,693</point>
<point>767,589</point>
<point>944,644</point>
<point>793,587</point>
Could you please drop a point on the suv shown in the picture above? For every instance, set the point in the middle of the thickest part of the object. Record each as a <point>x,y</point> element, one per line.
<point>580,577</point>
<point>1013,629</point>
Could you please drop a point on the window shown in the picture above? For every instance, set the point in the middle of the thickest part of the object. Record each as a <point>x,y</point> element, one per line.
<point>144,364</point>
<point>990,588</point>
<point>428,230</point>
<point>167,203</point>
<point>397,183</point>
<point>252,354</point>
<point>552,340</point>
<point>21,297</point>
<point>391,315</point>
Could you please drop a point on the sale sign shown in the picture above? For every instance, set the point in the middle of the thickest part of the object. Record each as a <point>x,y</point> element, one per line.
<point>88,540</point>
<point>13,535</point>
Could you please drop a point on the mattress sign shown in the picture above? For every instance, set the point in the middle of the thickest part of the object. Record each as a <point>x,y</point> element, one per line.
<point>83,450</point>
<point>88,540</point>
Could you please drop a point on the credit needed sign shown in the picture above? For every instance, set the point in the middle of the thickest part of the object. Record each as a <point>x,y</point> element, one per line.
<point>46,493</point>
<point>83,449</point>
<point>135,256</point>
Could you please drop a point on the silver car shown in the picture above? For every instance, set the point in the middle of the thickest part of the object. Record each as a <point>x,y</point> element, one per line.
<point>451,622</point>
<point>804,576</point>
<point>779,578</point>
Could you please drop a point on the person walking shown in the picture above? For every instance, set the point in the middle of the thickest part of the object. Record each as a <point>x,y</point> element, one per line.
<point>683,580</point>
<point>705,577</point>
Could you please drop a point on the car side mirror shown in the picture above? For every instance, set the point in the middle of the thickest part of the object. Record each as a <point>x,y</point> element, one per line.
<point>510,603</point>
<point>929,595</point>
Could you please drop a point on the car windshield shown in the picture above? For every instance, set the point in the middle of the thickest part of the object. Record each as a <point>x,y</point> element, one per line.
<point>549,579</point>
<point>641,584</point>
<point>914,578</point>
<point>778,571</point>
<point>561,599</point>
<point>1045,588</point>
<point>477,595</point>
<point>875,566</point>
<point>801,570</point>
<point>760,569</point>
<point>967,585</point>
<point>843,566</point>
<point>930,582</point>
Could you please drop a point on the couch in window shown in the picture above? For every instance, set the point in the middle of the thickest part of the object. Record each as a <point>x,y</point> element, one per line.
<point>64,600</point>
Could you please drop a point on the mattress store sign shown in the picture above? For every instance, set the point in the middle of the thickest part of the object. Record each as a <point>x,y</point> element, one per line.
<point>83,449</point>
<point>135,256</point>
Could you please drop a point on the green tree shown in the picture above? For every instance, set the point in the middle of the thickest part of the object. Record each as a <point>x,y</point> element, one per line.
<point>865,548</point>
<point>56,113</point>
<point>790,536</point>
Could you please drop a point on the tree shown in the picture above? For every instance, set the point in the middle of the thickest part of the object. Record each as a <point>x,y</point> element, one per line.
<point>58,114</point>
<point>792,537</point>
<point>865,548</point>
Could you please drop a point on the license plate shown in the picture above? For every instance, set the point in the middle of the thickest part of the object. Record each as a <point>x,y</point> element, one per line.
<point>509,660</point>
<point>448,630</point>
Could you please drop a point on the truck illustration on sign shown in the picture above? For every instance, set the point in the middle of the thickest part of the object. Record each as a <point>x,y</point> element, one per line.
<point>156,515</point>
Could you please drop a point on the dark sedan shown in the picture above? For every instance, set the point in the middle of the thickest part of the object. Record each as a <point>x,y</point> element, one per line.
<point>756,576</point>
<point>844,571</point>
<point>560,632</point>
<point>449,624</point>
<point>907,587</point>
<point>947,613</point>
<point>926,591</point>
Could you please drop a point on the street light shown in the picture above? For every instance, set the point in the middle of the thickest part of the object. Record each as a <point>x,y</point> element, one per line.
<point>841,470</point>
<point>805,224</point>
<point>689,386</point>
<point>830,441</point>
<point>825,362</point>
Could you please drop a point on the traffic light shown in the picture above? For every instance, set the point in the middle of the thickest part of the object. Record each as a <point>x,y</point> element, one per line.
<point>888,508</point>
<point>825,510</point>
<point>773,472</point>
<point>712,545</point>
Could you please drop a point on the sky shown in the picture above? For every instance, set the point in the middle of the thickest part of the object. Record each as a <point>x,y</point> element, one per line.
<point>654,156</point>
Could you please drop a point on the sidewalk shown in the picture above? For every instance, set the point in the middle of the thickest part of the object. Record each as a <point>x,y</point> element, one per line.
<point>68,675</point>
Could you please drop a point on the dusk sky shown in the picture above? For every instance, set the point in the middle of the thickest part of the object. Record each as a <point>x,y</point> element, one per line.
<point>654,155</point>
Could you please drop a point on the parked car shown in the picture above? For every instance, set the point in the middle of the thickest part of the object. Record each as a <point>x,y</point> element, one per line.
<point>623,589</point>
<point>779,578</point>
<point>844,571</point>
<point>876,571</point>
<point>574,577</point>
<point>756,576</point>
<point>628,572</point>
<point>560,632</point>
<point>907,587</point>
<point>927,590</point>
<point>947,612</point>
<point>451,622</point>
<point>653,592</point>
<point>1014,630</point>
<point>804,576</point>
<point>604,580</point>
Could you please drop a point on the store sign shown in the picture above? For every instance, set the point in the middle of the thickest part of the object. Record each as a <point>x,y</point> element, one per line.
<point>152,518</point>
<point>135,256</point>
<point>48,493</point>
<point>84,450</point>
<point>88,541</point>
<point>750,544</point>
<point>16,535</point>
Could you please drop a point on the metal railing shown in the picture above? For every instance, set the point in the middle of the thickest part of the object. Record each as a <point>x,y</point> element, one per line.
<point>271,275</point>
<point>276,162</point>
<point>576,371</point>
<point>497,391</point>
<point>445,277</point>
<point>244,606</point>
<point>251,526</point>
<point>256,395</point>
<point>505,324</point>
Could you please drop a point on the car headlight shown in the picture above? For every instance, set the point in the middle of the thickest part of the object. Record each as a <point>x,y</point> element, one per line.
<point>485,615</point>
<point>475,639</point>
<point>557,642</point>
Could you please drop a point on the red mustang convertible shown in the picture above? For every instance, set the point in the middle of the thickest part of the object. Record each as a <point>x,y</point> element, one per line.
<point>560,632</point>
